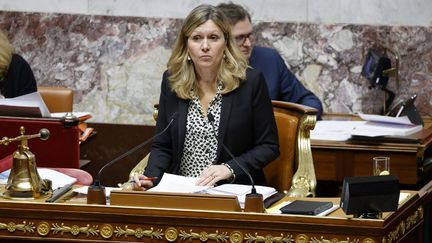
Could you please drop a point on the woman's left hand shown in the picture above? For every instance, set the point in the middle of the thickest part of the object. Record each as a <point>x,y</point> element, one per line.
<point>213,174</point>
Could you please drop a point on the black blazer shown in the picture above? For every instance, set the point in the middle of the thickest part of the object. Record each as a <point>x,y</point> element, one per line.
<point>19,79</point>
<point>247,127</point>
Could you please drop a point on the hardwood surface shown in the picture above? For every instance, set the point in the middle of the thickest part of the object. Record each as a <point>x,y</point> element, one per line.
<point>77,222</point>
<point>109,142</point>
<point>335,160</point>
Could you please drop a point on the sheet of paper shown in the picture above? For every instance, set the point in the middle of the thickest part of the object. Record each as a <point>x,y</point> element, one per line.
<point>84,189</point>
<point>403,120</point>
<point>240,191</point>
<point>177,183</point>
<point>58,179</point>
<point>334,130</point>
<point>29,103</point>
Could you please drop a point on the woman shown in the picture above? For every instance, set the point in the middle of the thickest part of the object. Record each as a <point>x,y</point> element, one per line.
<point>217,100</point>
<point>16,76</point>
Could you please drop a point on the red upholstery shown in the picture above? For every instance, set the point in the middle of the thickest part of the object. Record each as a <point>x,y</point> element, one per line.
<point>83,177</point>
<point>61,149</point>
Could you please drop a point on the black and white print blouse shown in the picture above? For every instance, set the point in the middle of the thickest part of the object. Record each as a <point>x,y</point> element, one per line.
<point>199,151</point>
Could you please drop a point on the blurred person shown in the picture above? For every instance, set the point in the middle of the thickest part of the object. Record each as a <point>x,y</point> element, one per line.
<point>16,76</point>
<point>217,99</point>
<point>281,82</point>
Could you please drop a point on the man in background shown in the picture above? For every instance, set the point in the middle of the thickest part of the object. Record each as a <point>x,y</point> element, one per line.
<point>281,82</point>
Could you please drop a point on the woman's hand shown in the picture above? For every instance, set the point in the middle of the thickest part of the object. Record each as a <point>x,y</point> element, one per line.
<point>142,183</point>
<point>213,174</point>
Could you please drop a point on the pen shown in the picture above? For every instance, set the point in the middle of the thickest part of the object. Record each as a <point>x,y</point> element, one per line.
<point>145,179</point>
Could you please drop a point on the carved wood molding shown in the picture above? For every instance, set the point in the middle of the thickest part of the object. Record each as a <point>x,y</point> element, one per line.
<point>170,234</point>
<point>404,226</point>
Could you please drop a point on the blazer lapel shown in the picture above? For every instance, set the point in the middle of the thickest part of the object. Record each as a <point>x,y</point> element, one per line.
<point>225,114</point>
<point>182,109</point>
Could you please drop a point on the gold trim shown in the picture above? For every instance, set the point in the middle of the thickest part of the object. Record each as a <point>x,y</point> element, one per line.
<point>268,238</point>
<point>334,240</point>
<point>43,228</point>
<point>171,234</point>
<point>204,236</point>
<point>404,226</point>
<point>368,240</point>
<point>75,229</point>
<point>138,232</point>
<point>106,231</point>
<point>236,237</point>
<point>302,238</point>
<point>304,180</point>
<point>24,227</point>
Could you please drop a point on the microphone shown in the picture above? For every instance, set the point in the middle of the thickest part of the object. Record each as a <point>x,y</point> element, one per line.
<point>96,192</point>
<point>254,200</point>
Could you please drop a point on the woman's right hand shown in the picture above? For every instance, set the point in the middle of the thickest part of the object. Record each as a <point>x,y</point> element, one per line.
<point>141,183</point>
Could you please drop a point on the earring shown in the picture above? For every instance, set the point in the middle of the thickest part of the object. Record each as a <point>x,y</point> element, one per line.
<point>188,58</point>
<point>224,56</point>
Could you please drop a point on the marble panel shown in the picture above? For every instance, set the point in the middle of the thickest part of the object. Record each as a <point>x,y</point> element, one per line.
<point>57,6</point>
<point>115,64</point>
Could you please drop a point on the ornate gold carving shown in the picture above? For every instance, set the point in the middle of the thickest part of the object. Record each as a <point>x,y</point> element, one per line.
<point>75,229</point>
<point>302,238</point>
<point>268,238</point>
<point>138,233</point>
<point>204,236</point>
<point>236,237</point>
<point>43,228</point>
<point>404,226</point>
<point>334,240</point>
<point>367,240</point>
<point>106,231</point>
<point>24,227</point>
<point>171,234</point>
<point>304,179</point>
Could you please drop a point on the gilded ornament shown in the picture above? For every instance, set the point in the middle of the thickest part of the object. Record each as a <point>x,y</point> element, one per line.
<point>334,240</point>
<point>171,234</point>
<point>138,233</point>
<point>236,237</point>
<point>204,236</point>
<point>302,238</point>
<point>43,228</point>
<point>268,238</point>
<point>367,240</point>
<point>106,231</point>
<point>12,227</point>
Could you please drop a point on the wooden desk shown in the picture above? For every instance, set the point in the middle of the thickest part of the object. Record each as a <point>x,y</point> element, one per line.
<point>94,223</point>
<point>334,160</point>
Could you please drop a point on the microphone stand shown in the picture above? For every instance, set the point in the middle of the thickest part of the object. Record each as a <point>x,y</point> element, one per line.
<point>254,201</point>
<point>96,193</point>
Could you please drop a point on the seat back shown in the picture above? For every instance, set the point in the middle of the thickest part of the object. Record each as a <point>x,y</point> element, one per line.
<point>57,99</point>
<point>294,123</point>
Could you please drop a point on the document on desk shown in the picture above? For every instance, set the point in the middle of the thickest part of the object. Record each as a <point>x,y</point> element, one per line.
<point>334,130</point>
<point>177,183</point>
<point>29,105</point>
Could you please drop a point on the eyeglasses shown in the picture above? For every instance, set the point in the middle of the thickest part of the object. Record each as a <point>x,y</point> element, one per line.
<point>240,39</point>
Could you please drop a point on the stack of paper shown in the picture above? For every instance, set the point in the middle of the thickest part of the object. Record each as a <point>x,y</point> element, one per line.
<point>240,191</point>
<point>372,126</point>
<point>57,179</point>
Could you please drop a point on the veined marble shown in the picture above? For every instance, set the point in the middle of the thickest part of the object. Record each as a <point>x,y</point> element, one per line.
<point>115,64</point>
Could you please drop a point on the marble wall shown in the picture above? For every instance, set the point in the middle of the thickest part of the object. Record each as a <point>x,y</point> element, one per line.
<point>115,63</point>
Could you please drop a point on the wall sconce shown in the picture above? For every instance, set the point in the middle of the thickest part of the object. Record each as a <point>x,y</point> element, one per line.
<point>377,69</point>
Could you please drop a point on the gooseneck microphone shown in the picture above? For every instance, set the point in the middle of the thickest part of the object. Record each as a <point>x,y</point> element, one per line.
<point>96,192</point>
<point>254,200</point>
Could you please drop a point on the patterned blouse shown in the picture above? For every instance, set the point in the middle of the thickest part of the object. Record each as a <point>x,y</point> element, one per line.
<point>199,151</point>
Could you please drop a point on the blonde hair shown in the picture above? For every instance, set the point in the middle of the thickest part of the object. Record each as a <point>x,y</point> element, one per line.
<point>182,73</point>
<point>6,51</point>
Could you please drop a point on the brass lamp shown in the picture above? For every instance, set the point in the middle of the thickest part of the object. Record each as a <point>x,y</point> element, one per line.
<point>24,181</point>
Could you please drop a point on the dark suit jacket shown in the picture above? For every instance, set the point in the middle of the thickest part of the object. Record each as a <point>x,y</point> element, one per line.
<point>19,79</point>
<point>247,127</point>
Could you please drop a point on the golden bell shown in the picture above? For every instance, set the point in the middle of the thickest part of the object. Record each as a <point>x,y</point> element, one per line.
<point>24,181</point>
